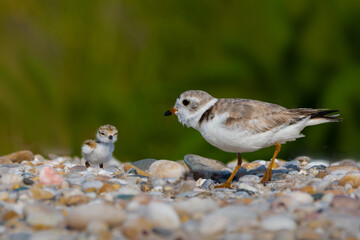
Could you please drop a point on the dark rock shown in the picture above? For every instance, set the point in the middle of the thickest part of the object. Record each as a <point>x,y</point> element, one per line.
<point>132,171</point>
<point>207,168</point>
<point>125,196</point>
<point>249,192</point>
<point>28,181</point>
<point>260,169</point>
<point>293,165</point>
<point>317,196</point>
<point>162,232</point>
<point>144,164</point>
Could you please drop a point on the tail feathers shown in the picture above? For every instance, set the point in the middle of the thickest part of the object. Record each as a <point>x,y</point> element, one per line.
<point>323,116</point>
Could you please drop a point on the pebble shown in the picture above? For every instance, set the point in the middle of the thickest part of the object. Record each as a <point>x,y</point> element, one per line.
<point>49,176</point>
<point>79,217</point>
<point>11,179</point>
<point>41,216</point>
<point>162,215</point>
<point>278,222</point>
<point>167,169</point>
<point>353,179</point>
<point>144,164</point>
<point>207,168</point>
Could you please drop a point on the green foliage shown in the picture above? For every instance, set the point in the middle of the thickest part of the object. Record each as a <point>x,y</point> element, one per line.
<point>67,67</point>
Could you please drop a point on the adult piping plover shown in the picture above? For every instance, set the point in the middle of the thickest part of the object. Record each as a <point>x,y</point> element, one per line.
<point>100,151</point>
<point>244,125</point>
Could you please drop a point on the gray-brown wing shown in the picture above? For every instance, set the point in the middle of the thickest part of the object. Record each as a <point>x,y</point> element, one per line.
<point>255,116</point>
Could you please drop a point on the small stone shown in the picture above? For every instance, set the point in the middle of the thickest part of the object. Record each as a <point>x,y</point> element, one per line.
<point>309,234</point>
<point>252,165</point>
<point>353,179</point>
<point>11,179</point>
<point>40,194</point>
<point>144,164</point>
<point>4,160</point>
<point>18,157</point>
<point>345,169</point>
<point>295,165</point>
<point>137,228</point>
<point>10,215</point>
<point>127,167</point>
<point>145,187</point>
<point>348,162</point>
<point>4,196</point>
<point>208,184</point>
<point>107,188</point>
<point>278,222</point>
<point>245,187</point>
<point>49,176</point>
<point>28,181</point>
<point>308,189</point>
<point>41,216</point>
<point>96,185</point>
<point>303,160</point>
<point>162,215</point>
<point>78,168</point>
<point>167,169</point>
<point>213,226</point>
<point>20,236</point>
<point>320,165</point>
<point>80,217</point>
<point>344,202</point>
<point>294,199</point>
<point>76,200</point>
<point>250,179</point>
<point>207,168</point>
<point>97,227</point>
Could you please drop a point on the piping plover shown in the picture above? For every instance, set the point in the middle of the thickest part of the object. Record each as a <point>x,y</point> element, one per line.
<point>100,151</point>
<point>244,125</point>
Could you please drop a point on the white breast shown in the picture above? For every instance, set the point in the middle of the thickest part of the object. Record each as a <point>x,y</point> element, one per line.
<point>102,153</point>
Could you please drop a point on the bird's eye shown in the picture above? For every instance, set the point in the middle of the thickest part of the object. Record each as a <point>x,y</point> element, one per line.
<point>101,133</point>
<point>186,102</point>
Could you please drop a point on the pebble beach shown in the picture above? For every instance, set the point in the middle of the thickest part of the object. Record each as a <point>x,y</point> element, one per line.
<point>57,197</point>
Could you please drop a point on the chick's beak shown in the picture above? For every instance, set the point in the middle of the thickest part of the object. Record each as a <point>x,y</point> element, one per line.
<point>171,111</point>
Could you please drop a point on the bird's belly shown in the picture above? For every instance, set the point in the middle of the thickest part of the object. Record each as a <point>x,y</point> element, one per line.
<point>234,141</point>
<point>100,155</point>
<point>240,140</point>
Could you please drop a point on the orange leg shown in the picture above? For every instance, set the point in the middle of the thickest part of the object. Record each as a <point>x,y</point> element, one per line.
<point>228,182</point>
<point>267,174</point>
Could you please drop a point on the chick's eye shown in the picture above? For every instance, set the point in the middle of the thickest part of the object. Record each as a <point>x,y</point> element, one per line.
<point>186,102</point>
<point>101,133</point>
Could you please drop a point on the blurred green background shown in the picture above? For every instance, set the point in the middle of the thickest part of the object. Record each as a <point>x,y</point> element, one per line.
<point>67,67</point>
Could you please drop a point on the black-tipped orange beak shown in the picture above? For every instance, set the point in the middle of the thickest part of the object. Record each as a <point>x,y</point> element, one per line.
<point>171,111</point>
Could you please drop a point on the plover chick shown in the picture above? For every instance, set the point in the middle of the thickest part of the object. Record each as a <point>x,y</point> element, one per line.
<point>100,151</point>
<point>243,125</point>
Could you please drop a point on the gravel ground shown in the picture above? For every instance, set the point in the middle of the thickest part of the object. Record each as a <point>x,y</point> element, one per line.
<point>59,198</point>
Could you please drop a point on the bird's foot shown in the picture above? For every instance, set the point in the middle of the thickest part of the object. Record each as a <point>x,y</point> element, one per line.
<point>87,164</point>
<point>224,185</point>
<point>267,176</point>
<point>101,165</point>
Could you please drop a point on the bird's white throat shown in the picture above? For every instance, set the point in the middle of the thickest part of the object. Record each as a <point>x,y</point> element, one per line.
<point>191,119</point>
